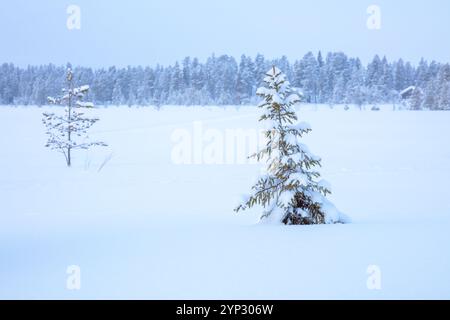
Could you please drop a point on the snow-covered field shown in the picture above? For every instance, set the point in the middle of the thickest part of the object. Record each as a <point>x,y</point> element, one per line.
<point>141,226</point>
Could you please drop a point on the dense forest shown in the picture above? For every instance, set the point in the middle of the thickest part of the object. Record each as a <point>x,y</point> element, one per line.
<point>333,78</point>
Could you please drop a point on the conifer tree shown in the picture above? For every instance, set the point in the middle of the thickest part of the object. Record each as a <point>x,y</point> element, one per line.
<point>69,131</point>
<point>289,191</point>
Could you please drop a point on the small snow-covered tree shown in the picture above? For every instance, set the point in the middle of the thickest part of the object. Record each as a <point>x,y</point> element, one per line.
<point>69,131</point>
<point>289,190</point>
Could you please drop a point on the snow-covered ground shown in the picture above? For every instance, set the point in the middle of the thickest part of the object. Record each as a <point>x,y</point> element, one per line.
<point>139,225</point>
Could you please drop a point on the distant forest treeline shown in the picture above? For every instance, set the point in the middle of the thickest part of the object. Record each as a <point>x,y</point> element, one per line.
<point>334,79</point>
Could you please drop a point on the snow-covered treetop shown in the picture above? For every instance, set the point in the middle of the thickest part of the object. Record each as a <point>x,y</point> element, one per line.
<point>284,132</point>
<point>69,74</point>
<point>277,90</point>
<point>69,93</point>
<point>274,74</point>
<point>278,98</point>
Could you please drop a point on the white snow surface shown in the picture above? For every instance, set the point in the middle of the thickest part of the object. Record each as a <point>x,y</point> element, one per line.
<point>140,226</point>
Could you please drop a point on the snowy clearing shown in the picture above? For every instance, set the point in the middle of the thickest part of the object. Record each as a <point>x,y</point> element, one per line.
<point>141,226</point>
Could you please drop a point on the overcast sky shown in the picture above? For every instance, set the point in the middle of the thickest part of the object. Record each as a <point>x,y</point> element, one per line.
<point>147,32</point>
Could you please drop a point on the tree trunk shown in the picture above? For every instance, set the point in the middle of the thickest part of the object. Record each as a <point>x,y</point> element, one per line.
<point>69,160</point>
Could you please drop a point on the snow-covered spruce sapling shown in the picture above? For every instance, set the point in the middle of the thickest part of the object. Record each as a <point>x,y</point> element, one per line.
<point>289,190</point>
<point>69,131</point>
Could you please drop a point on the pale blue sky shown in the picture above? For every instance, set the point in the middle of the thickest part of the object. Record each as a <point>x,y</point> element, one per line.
<point>138,32</point>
